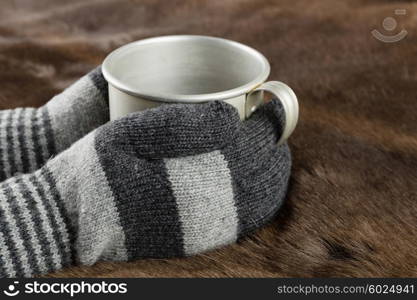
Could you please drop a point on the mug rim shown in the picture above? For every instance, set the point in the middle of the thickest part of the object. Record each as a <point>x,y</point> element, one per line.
<point>163,97</point>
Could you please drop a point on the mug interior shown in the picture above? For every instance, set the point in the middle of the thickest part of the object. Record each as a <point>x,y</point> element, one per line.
<point>186,68</point>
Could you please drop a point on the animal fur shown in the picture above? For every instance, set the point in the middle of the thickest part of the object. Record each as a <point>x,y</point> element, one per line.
<point>352,205</point>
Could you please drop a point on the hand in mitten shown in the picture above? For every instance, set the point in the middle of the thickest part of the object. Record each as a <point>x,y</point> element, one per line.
<point>171,181</point>
<point>30,136</point>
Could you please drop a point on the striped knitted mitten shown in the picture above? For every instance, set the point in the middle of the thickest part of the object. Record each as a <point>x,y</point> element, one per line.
<point>171,181</point>
<point>30,136</point>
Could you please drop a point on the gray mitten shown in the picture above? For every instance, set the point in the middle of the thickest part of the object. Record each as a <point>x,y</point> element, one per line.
<point>30,136</point>
<point>171,181</point>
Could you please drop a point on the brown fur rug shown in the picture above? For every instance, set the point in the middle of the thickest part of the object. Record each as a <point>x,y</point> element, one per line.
<point>352,205</point>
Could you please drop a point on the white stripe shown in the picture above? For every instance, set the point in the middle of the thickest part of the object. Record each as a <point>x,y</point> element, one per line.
<point>16,145</point>
<point>3,140</point>
<point>92,203</point>
<point>97,241</point>
<point>16,237</point>
<point>29,138</point>
<point>46,224</point>
<point>6,258</point>
<point>43,139</point>
<point>62,228</point>
<point>202,187</point>
<point>26,214</point>
<point>67,111</point>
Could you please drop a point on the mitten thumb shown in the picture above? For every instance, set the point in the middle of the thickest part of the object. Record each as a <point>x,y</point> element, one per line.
<point>265,125</point>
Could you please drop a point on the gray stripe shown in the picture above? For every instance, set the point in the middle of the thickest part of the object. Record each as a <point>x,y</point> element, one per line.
<point>105,242</point>
<point>5,165</point>
<point>61,229</point>
<point>37,216</point>
<point>17,152</point>
<point>202,187</point>
<point>23,228</point>
<point>23,140</point>
<point>95,240</point>
<point>27,216</point>
<point>5,228</point>
<point>49,223</point>
<point>42,135</point>
<point>99,82</point>
<point>9,145</point>
<point>28,139</point>
<point>36,138</point>
<point>259,169</point>
<point>6,258</point>
<point>144,200</point>
<point>49,134</point>
<point>14,232</point>
<point>76,111</point>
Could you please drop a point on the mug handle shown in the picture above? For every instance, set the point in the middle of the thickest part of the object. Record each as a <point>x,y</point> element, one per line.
<point>288,100</point>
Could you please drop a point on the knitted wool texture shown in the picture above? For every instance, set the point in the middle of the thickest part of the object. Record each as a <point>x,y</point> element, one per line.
<point>171,181</point>
<point>30,136</point>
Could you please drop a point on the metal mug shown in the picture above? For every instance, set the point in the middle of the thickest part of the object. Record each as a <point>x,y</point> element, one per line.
<point>192,69</point>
